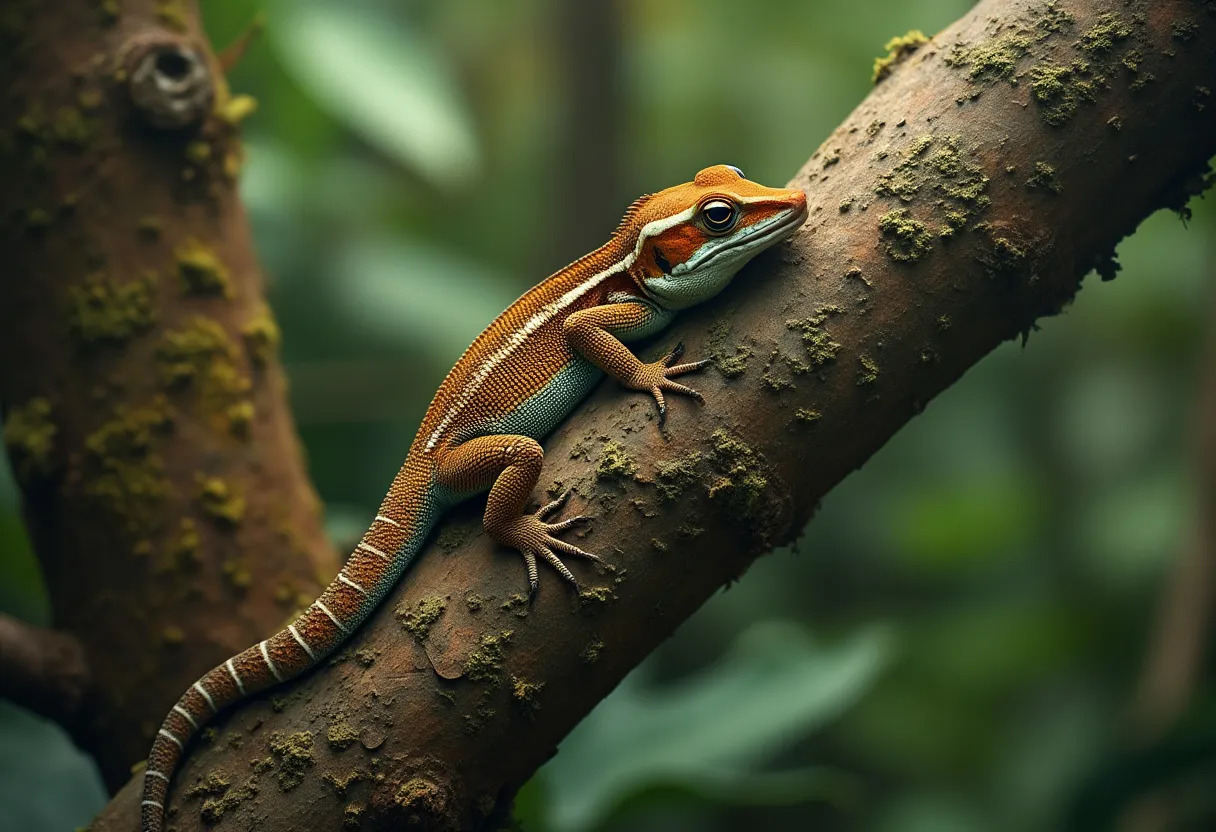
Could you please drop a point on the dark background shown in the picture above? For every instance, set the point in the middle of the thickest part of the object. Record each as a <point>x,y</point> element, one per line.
<point>960,639</point>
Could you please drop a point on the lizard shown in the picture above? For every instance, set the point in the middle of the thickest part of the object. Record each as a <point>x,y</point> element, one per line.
<point>525,373</point>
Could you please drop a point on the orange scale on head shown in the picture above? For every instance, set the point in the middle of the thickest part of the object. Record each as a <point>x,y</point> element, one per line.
<point>680,242</point>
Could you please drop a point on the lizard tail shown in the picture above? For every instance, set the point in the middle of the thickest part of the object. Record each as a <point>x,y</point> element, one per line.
<point>386,550</point>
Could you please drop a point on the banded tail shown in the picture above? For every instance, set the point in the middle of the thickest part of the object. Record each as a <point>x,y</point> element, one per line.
<point>386,550</point>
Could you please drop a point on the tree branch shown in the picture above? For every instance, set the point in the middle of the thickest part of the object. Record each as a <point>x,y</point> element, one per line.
<point>146,419</point>
<point>42,670</point>
<point>949,211</point>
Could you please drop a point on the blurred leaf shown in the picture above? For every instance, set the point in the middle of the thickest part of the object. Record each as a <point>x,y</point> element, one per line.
<point>46,783</point>
<point>417,294</point>
<point>21,589</point>
<point>964,522</point>
<point>773,688</point>
<point>384,81</point>
<point>928,812</point>
<point>1129,532</point>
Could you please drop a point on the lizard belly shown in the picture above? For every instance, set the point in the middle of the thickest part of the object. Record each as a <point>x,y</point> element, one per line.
<point>537,415</point>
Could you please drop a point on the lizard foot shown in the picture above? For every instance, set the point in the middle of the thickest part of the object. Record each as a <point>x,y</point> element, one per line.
<point>534,538</point>
<point>657,377</point>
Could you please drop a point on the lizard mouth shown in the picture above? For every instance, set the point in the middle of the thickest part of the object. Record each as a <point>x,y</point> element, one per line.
<point>761,234</point>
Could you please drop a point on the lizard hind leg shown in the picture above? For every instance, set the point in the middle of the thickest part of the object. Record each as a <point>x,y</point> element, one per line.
<point>510,466</point>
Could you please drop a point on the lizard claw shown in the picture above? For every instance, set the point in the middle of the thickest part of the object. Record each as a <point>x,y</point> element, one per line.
<point>675,353</point>
<point>537,540</point>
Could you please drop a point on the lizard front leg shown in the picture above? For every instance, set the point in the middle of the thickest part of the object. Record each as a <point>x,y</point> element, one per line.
<point>512,464</point>
<point>597,332</point>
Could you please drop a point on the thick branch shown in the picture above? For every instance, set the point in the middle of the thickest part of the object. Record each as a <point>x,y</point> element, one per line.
<point>42,670</point>
<point>949,211</point>
<point>164,490</point>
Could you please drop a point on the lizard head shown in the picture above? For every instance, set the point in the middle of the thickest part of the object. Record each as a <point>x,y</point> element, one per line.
<point>690,240</point>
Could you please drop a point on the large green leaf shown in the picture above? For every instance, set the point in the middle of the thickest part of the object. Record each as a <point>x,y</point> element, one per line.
<point>383,81</point>
<point>706,735</point>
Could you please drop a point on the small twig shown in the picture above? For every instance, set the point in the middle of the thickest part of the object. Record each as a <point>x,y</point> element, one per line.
<point>233,52</point>
<point>42,670</point>
<point>1176,650</point>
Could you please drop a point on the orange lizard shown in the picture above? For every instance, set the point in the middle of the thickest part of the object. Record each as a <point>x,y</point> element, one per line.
<point>524,374</point>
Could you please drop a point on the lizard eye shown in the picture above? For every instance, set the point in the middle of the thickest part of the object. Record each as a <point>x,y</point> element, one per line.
<point>718,215</point>
<point>736,170</point>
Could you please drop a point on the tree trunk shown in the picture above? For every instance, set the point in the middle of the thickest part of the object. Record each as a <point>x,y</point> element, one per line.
<point>164,490</point>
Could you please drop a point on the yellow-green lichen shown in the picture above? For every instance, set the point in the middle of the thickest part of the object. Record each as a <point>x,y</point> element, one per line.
<point>201,270</point>
<point>1059,90</point>
<point>341,734</point>
<point>997,58</point>
<point>734,364</point>
<point>741,478</point>
<point>658,545</point>
<point>121,473</point>
<point>221,501</point>
<point>820,348</point>
<point>672,476</point>
<point>524,694</point>
<point>517,604</point>
<point>991,60</point>
<point>615,463</point>
<point>341,783</point>
<point>202,357</point>
<point>198,152</point>
<point>420,800</point>
<point>108,11</point>
<point>937,170</point>
<point>365,656</point>
<point>173,14</point>
<point>868,371</point>
<point>596,596</point>
<point>474,602</point>
<point>70,128</point>
<point>1008,251</point>
<point>1184,31</point>
<point>807,416</point>
<point>188,353</point>
<point>29,435</point>
<point>236,109</point>
<point>150,228</point>
<point>293,755</point>
<point>485,663</point>
<point>1109,30</point>
<point>1044,179</point>
<point>590,654</point>
<point>419,620</point>
<point>240,418</point>
<point>102,311</point>
<point>897,49</point>
<point>237,573</point>
<point>905,239</point>
<point>216,782</point>
<point>214,808</point>
<point>181,552</point>
<point>262,337</point>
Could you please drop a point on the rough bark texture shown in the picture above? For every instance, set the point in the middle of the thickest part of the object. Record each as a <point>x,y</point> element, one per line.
<point>965,197</point>
<point>164,490</point>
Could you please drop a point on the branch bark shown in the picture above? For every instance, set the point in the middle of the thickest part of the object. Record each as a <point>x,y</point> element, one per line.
<point>42,670</point>
<point>146,419</point>
<point>950,210</point>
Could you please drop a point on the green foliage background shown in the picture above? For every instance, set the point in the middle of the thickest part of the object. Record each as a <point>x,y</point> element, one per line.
<point>956,641</point>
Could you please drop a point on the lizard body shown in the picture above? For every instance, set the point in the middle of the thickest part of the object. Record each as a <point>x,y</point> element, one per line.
<point>524,374</point>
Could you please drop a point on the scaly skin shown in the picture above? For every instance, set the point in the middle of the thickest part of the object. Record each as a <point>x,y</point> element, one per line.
<point>524,374</point>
